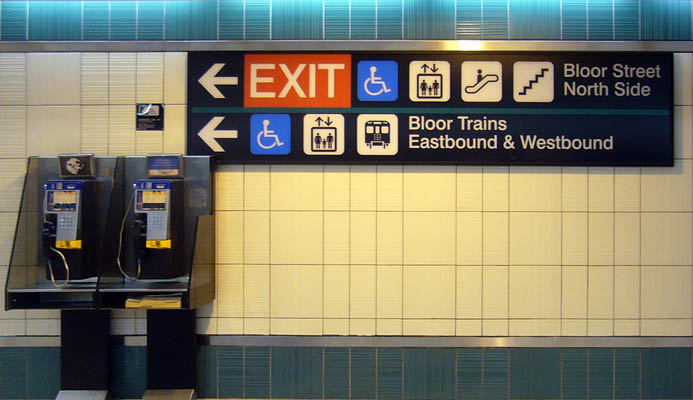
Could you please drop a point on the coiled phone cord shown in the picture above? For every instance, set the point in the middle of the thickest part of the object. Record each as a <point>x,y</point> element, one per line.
<point>120,244</point>
<point>67,269</point>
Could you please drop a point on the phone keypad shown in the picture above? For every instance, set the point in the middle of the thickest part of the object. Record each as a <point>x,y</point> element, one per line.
<point>156,225</point>
<point>65,222</point>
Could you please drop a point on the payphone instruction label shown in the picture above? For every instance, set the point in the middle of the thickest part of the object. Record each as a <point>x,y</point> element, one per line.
<point>440,108</point>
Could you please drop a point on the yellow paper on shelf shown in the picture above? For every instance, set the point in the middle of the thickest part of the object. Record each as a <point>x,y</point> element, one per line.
<point>154,302</point>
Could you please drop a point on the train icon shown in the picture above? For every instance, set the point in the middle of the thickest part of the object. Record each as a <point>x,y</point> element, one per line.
<point>377,133</point>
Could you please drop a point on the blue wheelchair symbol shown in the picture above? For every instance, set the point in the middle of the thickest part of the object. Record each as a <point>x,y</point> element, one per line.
<point>377,80</point>
<point>270,134</point>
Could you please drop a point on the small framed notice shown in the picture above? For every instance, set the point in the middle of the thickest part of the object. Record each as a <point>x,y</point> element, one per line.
<point>150,117</point>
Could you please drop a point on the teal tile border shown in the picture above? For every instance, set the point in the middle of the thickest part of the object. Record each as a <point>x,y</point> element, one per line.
<point>432,19</point>
<point>297,373</point>
<point>600,23</point>
<point>231,377</point>
<point>362,20</point>
<point>336,373</point>
<point>535,373</point>
<point>383,373</point>
<point>363,373</point>
<point>207,372</point>
<point>96,20</point>
<point>256,383</point>
<point>297,19</point>
<point>55,20</point>
<point>346,19</point>
<point>601,373</point>
<point>13,371</point>
<point>429,374</point>
<point>389,385</point>
<point>231,19</point>
<point>13,20</point>
<point>128,372</point>
<point>574,373</point>
<point>43,372</point>
<point>535,19</point>
<point>468,22</point>
<point>469,373</point>
<point>123,18</point>
<point>495,374</point>
<point>190,20</point>
<point>337,20</point>
<point>150,20</point>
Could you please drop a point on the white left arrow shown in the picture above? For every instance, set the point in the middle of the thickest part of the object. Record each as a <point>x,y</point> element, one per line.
<point>209,134</point>
<point>210,80</point>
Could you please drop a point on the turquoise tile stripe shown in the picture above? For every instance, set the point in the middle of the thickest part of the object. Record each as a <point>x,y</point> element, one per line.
<point>389,384</point>
<point>95,21</point>
<point>257,19</point>
<point>468,20</point>
<point>429,373</point>
<point>337,17</point>
<point>297,372</point>
<point>13,373</point>
<point>665,20</point>
<point>362,372</point>
<point>384,373</point>
<point>535,19</point>
<point>231,19</point>
<point>191,20</point>
<point>206,383</point>
<point>363,19</point>
<point>55,20</point>
<point>574,20</point>
<point>150,20</point>
<point>297,19</point>
<point>601,373</point>
<point>429,19</point>
<point>336,374</point>
<point>627,374</point>
<point>626,19</point>
<point>123,20</point>
<point>494,24</point>
<point>666,373</point>
<point>469,373</point>
<point>128,372</point>
<point>346,19</point>
<point>535,373</point>
<point>574,372</point>
<point>495,370</point>
<point>257,373</point>
<point>230,372</point>
<point>390,19</point>
<point>43,372</point>
<point>13,21</point>
<point>600,20</point>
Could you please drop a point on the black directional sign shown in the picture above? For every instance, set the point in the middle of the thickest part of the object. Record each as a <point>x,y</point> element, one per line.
<point>442,108</point>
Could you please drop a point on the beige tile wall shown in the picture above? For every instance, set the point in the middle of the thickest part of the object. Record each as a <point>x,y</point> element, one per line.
<point>379,250</point>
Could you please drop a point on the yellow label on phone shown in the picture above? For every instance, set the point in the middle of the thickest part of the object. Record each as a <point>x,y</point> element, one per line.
<point>159,244</point>
<point>68,244</point>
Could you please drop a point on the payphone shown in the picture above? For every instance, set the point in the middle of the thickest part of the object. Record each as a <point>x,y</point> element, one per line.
<point>155,241</point>
<point>69,231</point>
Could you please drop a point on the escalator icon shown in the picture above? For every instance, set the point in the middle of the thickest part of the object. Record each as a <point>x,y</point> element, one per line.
<point>482,81</point>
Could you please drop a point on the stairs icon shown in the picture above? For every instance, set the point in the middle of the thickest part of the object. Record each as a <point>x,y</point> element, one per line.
<point>533,82</point>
